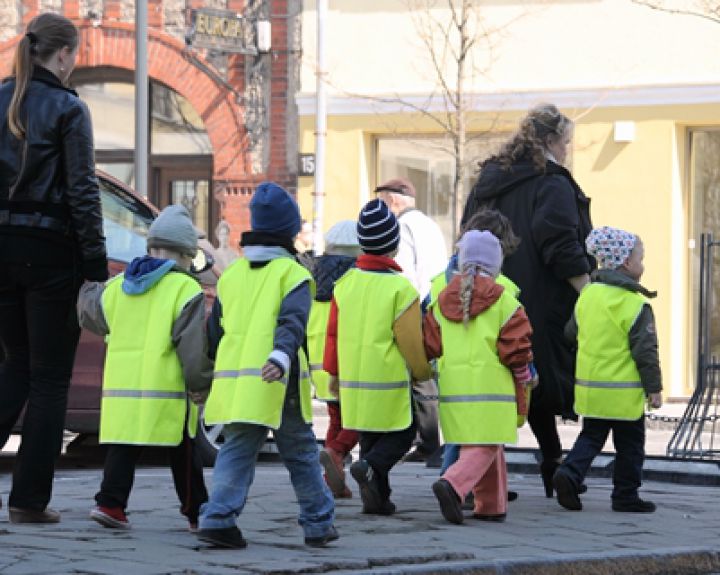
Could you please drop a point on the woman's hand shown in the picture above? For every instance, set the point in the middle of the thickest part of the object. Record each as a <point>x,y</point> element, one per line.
<point>271,372</point>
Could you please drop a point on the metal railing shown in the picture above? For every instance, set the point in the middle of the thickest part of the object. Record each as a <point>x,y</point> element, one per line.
<point>694,436</point>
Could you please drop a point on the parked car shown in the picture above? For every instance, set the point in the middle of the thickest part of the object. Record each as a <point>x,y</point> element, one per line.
<point>127,218</point>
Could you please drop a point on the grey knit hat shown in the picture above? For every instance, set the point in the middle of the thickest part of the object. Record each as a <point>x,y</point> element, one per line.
<point>482,249</point>
<point>173,230</point>
<point>342,239</point>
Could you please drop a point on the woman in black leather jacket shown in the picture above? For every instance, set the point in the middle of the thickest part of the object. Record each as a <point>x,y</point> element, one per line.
<point>51,238</point>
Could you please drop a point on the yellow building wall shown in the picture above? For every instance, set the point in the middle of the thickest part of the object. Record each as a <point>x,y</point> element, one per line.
<point>641,186</point>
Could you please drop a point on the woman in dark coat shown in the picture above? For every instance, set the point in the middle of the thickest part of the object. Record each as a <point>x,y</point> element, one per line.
<point>51,238</point>
<point>527,183</point>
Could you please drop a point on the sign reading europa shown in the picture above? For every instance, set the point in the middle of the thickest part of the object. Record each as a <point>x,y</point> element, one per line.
<point>222,30</point>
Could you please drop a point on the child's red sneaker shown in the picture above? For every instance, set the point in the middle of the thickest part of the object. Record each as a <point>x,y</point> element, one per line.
<point>112,517</point>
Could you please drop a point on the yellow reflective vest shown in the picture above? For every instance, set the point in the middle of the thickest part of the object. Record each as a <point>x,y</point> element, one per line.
<point>316,334</point>
<point>251,300</point>
<point>144,399</point>
<point>476,391</point>
<point>607,382</point>
<point>374,378</point>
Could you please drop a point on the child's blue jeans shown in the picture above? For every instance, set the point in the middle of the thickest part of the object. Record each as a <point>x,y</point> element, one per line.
<point>235,470</point>
<point>451,452</point>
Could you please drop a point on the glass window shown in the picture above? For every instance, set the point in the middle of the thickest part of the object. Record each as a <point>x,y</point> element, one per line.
<point>705,188</point>
<point>176,127</point>
<point>429,165</point>
<point>194,195</point>
<point>125,171</point>
<point>126,222</point>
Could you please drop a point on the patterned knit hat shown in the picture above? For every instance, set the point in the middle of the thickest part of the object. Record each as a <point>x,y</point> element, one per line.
<point>611,247</point>
<point>377,229</point>
<point>482,249</point>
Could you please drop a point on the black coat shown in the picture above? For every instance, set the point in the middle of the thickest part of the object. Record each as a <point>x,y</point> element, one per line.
<point>551,215</point>
<point>50,209</point>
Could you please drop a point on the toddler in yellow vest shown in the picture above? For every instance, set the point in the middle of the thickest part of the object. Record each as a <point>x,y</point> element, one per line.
<point>617,368</point>
<point>262,377</point>
<point>374,349</point>
<point>481,336</point>
<point>152,317</point>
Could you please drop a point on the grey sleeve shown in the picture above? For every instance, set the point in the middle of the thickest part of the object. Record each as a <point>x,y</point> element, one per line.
<point>644,350</point>
<point>291,324</point>
<point>188,336</point>
<point>571,331</point>
<point>89,308</point>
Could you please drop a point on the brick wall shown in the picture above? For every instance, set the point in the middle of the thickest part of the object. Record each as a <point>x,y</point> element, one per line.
<point>216,91</point>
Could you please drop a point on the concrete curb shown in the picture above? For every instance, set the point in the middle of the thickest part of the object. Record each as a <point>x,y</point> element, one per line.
<point>671,562</point>
<point>684,472</point>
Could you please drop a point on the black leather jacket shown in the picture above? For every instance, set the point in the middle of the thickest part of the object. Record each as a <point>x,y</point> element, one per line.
<point>48,186</point>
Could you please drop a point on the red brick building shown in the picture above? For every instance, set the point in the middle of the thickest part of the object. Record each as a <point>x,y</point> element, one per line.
<point>221,121</point>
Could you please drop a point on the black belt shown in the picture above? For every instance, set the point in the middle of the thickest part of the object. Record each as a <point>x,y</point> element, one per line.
<point>35,220</point>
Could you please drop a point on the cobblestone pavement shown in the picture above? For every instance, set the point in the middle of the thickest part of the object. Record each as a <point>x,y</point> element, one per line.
<point>539,537</point>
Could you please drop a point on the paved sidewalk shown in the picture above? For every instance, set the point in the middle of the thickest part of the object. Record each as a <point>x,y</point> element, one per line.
<point>539,537</point>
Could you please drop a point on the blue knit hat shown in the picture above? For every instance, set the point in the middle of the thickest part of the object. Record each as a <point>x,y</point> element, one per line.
<point>377,228</point>
<point>274,211</point>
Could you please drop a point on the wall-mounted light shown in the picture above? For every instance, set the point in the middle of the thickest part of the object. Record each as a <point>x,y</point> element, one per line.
<point>264,35</point>
<point>624,132</point>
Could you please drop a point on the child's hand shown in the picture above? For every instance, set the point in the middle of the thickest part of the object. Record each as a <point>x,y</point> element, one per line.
<point>655,400</point>
<point>270,372</point>
<point>199,397</point>
<point>334,386</point>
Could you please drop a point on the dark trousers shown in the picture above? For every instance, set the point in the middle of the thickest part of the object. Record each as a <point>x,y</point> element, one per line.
<point>543,424</point>
<point>382,450</point>
<point>629,441</point>
<point>187,472</point>
<point>427,440</point>
<point>338,438</point>
<point>39,333</point>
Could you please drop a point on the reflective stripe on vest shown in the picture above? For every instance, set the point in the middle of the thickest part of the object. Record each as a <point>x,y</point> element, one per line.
<point>144,400</point>
<point>251,300</point>
<point>476,391</point>
<point>375,383</point>
<point>316,333</point>
<point>607,380</point>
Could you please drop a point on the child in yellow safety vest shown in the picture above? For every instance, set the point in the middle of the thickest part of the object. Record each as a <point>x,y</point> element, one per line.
<point>341,250</point>
<point>617,368</point>
<point>152,317</point>
<point>481,336</point>
<point>262,378</point>
<point>373,349</point>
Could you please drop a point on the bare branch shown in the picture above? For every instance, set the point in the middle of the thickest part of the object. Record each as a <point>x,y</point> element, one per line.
<point>712,13</point>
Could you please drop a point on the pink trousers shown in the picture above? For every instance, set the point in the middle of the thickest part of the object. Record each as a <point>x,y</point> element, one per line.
<point>481,469</point>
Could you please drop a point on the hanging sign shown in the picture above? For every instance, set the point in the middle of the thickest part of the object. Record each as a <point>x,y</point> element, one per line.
<point>222,30</point>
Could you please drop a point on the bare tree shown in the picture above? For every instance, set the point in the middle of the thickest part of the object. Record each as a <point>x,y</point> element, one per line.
<point>708,9</point>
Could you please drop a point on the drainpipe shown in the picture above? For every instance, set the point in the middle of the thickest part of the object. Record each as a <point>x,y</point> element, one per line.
<point>320,130</point>
<point>141,98</point>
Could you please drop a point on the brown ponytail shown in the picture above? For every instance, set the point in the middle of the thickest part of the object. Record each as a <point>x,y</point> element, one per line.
<point>45,35</point>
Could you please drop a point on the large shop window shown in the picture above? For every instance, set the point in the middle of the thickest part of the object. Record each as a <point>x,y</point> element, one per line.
<point>429,165</point>
<point>705,198</point>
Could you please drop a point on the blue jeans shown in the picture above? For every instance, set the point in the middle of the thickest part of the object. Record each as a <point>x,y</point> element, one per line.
<point>235,470</point>
<point>450,454</point>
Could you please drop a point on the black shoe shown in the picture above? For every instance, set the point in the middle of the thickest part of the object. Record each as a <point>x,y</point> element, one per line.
<point>229,537</point>
<point>635,506</point>
<point>547,470</point>
<point>364,474</point>
<point>469,503</point>
<point>449,501</point>
<point>331,535</point>
<point>387,507</point>
<point>434,461</point>
<point>582,488</point>
<point>567,494</point>
<point>512,495</point>
<point>415,456</point>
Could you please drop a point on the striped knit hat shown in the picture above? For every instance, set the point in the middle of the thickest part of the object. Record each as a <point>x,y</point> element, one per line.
<point>377,229</point>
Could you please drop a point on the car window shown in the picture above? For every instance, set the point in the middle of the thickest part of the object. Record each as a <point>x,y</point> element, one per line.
<point>126,222</point>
